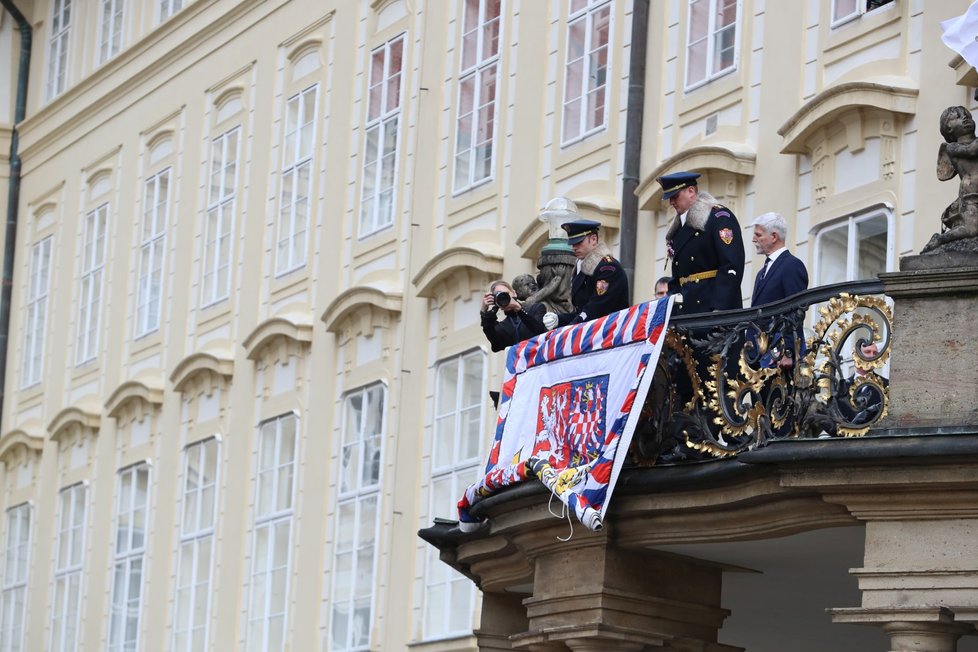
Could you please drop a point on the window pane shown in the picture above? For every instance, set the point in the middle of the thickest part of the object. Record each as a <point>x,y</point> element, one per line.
<point>871,248</point>
<point>833,255</point>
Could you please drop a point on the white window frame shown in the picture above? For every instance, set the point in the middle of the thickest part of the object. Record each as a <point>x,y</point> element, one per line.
<point>59,48</point>
<point>298,153</point>
<point>859,9</point>
<point>356,491</point>
<point>852,252</point>
<point>167,8</point>
<point>590,85</point>
<point>459,472</point>
<point>127,555</point>
<point>711,42</point>
<point>68,568</point>
<point>152,253</point>
<point>383,125</point>
<point>198,516</point>
<point>38,291</point>
<point>270,516</point>
<point>219,219</point>
<point>13,598</point>
<point>111,34</point>
<point>467,173</point>
<point>90,285</point>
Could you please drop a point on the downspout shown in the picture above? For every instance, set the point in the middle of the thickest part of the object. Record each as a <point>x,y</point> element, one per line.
<point>633,138</point>
<point>13,193</point>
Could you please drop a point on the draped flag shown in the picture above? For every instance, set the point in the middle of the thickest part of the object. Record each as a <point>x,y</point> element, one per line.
<point>566,411</point>
<point>961,34</point>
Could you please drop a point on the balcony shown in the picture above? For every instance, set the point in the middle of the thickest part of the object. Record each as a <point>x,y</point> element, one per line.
<point>767,506</point>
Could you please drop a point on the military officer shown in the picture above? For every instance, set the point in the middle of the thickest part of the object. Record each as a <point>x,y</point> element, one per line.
<point>706,246</point>
<point>600,286</point>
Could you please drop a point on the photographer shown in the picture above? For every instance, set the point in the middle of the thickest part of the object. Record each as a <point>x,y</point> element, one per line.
<point>518,324</point>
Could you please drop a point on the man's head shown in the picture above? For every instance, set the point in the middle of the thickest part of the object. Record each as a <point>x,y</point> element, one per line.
<point>679,189</point>
<point>770,231</point>
<point>582,236</point>
<point>869,352</point>
<point>662,287</point>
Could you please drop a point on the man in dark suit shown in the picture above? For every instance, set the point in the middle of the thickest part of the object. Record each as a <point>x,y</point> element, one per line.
<point>600,286</point>
<point>706,246</point>
<point>782,273</point>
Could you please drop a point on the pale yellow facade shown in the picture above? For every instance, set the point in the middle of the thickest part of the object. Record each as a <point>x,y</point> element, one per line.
<point>263,270</point>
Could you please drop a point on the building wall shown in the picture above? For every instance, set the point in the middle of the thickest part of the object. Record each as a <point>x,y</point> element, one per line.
<point>354,314</point>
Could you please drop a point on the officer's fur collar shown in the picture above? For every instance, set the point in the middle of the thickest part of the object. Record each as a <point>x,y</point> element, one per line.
<point>590,262</point>
<point>697,216</point>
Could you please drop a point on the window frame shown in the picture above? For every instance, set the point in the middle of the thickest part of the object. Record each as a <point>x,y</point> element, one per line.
<point>21,575</point>
<point>91,284</point>
<point>107,47</point>
<point>476,72</point>
<point>387,123</point>
<point>455,473</point>
<point>147,245</point>
<point>224,206</point>
<point>292,169</point>
<point>851,222</point>
<point>167,8</point>
<point>860,9</point>
<point>64,573</point>
<point>269,521</point>
<point>193,538</point>
<point>358,496</point>
<point>587,13</point>
<point>710,74</point>
<point>36,313</point>
<point>126,557</point>
<point>59,49</point>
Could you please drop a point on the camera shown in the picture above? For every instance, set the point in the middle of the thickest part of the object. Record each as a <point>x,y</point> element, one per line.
<point>501,298</point>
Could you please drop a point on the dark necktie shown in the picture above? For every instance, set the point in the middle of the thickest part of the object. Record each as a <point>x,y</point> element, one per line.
<point>767,261</point>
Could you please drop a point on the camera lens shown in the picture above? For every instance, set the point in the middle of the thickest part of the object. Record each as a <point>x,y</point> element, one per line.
<point>502,299</point>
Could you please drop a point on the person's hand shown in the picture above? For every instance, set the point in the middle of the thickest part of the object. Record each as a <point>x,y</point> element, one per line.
<point>488,302</point>
<point>550,320</point>
<point>513,306</point>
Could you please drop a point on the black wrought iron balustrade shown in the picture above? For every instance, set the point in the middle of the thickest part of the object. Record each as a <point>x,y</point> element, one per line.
<point>732,381</point>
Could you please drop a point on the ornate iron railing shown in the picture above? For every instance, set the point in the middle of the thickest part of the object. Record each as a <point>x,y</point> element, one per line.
<point>732,381</point>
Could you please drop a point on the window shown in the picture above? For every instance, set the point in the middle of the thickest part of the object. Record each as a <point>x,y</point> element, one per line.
<point>272,542</point>
<point>16,564</point>
<point>711,44</point>
<point>859,247</point>
<point>168,8</point>
<point>37,308</point>
<point>90,299</point>
<point>58,47</point>
<point>459,415</point>
<point>130,551</point>
<point>66,610</point>
<point>195,558</point>
<point>355,552</point>
<point>380,150</point>
<point>586,70</point>
<point>478,73</point>
<point>156,210</point>
<point>111,18</point>
<point>222,191</point>
<point>293,226</point>
<point>845,10</point>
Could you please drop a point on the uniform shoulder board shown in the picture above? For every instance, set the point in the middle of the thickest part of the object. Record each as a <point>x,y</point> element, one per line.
<point>608,258</point>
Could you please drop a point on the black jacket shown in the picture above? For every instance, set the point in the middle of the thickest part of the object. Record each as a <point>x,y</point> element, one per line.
<point>598,289</point>
<point>785,276</point>
<point>513,329</point>
<point>710,241</point>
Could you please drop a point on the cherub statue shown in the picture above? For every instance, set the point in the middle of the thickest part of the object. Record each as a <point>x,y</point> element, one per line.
<point>555,285</point>
<point>524,285</point>
<point>958,156</point>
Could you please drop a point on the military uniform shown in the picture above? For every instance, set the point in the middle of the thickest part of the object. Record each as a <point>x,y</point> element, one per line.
<point>707,252</point>
<point>600,286</point>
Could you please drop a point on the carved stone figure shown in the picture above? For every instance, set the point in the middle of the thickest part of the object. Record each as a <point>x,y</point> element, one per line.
<point>958,156</point>
<point>525,286</point>
<point>556,262</point>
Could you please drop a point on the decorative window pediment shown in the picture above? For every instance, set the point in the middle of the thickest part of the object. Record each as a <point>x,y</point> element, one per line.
<point>17,446</point>
<point>83,418</point>
<point>603,209</point>
<point>134,400</point>
<point>456,263</point>
<point>734,159</point>
<point>360,309</point>
<point>202,372</point>
<point>278,338</point>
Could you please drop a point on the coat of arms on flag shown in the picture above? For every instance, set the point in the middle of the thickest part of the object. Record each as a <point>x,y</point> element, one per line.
<point>565,412</point>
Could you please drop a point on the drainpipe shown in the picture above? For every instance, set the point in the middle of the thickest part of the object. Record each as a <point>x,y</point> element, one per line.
<point>13,193</point>
<point>633,138</point>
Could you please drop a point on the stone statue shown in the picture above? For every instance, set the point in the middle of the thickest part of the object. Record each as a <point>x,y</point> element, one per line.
<point>958,156</point>
<point>556,263</point>
<point>525,286</point>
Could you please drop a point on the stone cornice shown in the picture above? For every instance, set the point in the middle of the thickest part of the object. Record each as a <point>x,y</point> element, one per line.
<point>100,95</point>
<point>354,299</point>
<point>15,438</point>
<point>84,415</point>
<point>201,362</point>
<point>133,390</point>
<point>897,95</point>
<point>288,326</point>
